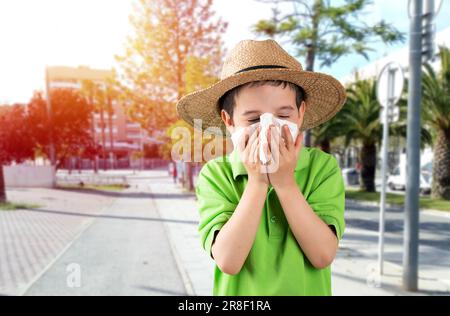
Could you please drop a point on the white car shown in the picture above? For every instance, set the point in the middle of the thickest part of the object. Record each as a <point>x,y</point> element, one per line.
<point>397,180</point>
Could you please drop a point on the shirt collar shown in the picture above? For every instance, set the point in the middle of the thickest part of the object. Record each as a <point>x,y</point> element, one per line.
<point>238,167</point>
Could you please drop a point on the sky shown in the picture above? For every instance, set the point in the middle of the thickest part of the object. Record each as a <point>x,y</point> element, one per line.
<point>34,34</point>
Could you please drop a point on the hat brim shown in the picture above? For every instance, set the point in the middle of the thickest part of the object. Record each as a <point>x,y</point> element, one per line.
<point>325,97</point>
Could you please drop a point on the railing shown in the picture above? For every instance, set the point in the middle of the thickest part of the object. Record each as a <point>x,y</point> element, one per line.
<point>87,164</point>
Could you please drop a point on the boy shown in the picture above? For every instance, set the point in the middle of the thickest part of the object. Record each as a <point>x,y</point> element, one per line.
<point>270,232</point>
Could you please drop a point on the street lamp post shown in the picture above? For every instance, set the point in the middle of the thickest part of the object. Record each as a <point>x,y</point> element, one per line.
<point>411,229</point>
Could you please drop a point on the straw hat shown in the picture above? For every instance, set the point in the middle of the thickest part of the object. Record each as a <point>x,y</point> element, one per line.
<point>252,60</point>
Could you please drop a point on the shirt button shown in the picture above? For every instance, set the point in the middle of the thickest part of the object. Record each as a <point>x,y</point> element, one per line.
<point>273,219</point>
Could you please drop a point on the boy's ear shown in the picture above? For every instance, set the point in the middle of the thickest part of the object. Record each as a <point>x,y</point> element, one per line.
<point>301,112</point>
<point>303,108</point>
<point>227,120</point>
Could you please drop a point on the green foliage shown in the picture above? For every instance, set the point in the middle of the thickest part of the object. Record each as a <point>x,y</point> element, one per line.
<point>325,31</point>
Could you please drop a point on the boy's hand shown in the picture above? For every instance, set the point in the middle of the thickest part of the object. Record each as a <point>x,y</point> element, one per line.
<point>284,153</point>
<point>249,153</point>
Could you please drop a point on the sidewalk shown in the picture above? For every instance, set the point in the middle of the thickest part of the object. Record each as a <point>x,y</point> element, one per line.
<point>354,270</point>
<point>125,251</point>
<point>178,210</point>
<point>30,240</point>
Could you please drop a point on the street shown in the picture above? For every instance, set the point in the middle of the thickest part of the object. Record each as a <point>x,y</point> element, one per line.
<point>144,241</point>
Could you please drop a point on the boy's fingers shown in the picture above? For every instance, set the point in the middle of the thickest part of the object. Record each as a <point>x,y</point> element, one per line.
<point>254,152</point>
<point>242,141</point>
<point>274,142</point>
<point>249,147</point>
<point>252,148</point>
<point>253,138</point>
<point>283,141</point>
<point>266,150</point>
<point>299,142</point>
<point>288,137</point>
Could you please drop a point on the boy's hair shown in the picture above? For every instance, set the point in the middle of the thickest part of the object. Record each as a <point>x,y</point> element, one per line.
<point>227,101</point>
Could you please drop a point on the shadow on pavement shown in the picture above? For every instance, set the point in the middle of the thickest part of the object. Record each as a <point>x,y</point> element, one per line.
<point>135,195</point>
<point>151,219</point>
<point>159,290</point>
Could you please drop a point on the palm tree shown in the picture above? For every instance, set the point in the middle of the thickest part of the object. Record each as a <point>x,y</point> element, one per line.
<point>436,116</point>
<point>361,117</point>
<point>326,133</point>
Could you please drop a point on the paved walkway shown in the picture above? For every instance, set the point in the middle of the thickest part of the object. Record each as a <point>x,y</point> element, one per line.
<point>31,239</point>
<point>120,249</point>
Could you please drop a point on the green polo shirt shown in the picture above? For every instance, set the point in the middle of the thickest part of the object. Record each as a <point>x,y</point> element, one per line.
<point>276,264</point>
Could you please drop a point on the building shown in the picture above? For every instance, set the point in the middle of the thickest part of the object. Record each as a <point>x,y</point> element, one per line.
<point>120,138</point>
<point>372,70</point>
<point>401,57</point>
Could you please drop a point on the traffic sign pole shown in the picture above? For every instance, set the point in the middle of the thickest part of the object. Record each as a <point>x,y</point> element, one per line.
<point>389,104</point>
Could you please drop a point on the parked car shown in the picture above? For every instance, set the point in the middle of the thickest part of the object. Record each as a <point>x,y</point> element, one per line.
<point>397,180</point>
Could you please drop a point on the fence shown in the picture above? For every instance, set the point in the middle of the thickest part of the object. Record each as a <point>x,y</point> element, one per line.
<point>28,176</point>
<point>88,164</point>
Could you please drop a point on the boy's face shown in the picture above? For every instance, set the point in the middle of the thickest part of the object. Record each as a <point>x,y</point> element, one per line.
<point>254,101</point>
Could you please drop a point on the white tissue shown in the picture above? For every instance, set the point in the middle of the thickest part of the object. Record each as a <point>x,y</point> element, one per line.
<point>236,136</point>
<point>266,120</point>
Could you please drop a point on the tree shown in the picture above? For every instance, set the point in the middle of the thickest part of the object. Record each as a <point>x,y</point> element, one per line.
<point>321,31</point>
<point>436,116</point>
<point>361,114</point>
<point>70,124</point>
<point>329,131</point>
<point>100,97</point>
<point>359,121</point>
<point>152,74</point>
<point>88,90</point>
<point>16,144</point>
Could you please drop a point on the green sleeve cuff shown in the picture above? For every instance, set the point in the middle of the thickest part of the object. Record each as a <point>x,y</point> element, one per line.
<point>332,221</point>
<point>207,245</point>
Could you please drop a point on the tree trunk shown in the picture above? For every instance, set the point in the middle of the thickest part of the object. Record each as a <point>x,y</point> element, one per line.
<point>309,67</point>
<point>368,161</point>
<point>110,123</point>
<point>2,186</point>
<point>102,122</point>
<point>91,102</point>
<point>310,57</point>
<point>311,52</point>
<point>441,166</point>
<point>325,145</point>
<point>189,183</point>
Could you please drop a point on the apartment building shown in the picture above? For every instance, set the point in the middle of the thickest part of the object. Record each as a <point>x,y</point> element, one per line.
<point>119,137</point>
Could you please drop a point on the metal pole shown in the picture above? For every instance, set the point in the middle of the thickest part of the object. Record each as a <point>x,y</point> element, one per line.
<point>411,230</point>
<point>52,152</point>
<point>384,166</point>
<point>429,30</point>
<point>141,145</point>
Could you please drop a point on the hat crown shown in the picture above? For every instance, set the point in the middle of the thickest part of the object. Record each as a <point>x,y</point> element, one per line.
<point>248,54</point>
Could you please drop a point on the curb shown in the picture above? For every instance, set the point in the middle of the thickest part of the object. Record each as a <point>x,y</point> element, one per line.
<point>183,273</point>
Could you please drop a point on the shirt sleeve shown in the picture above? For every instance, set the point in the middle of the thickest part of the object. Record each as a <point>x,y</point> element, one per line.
<point>214,207</point>
<point>328,197</point>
